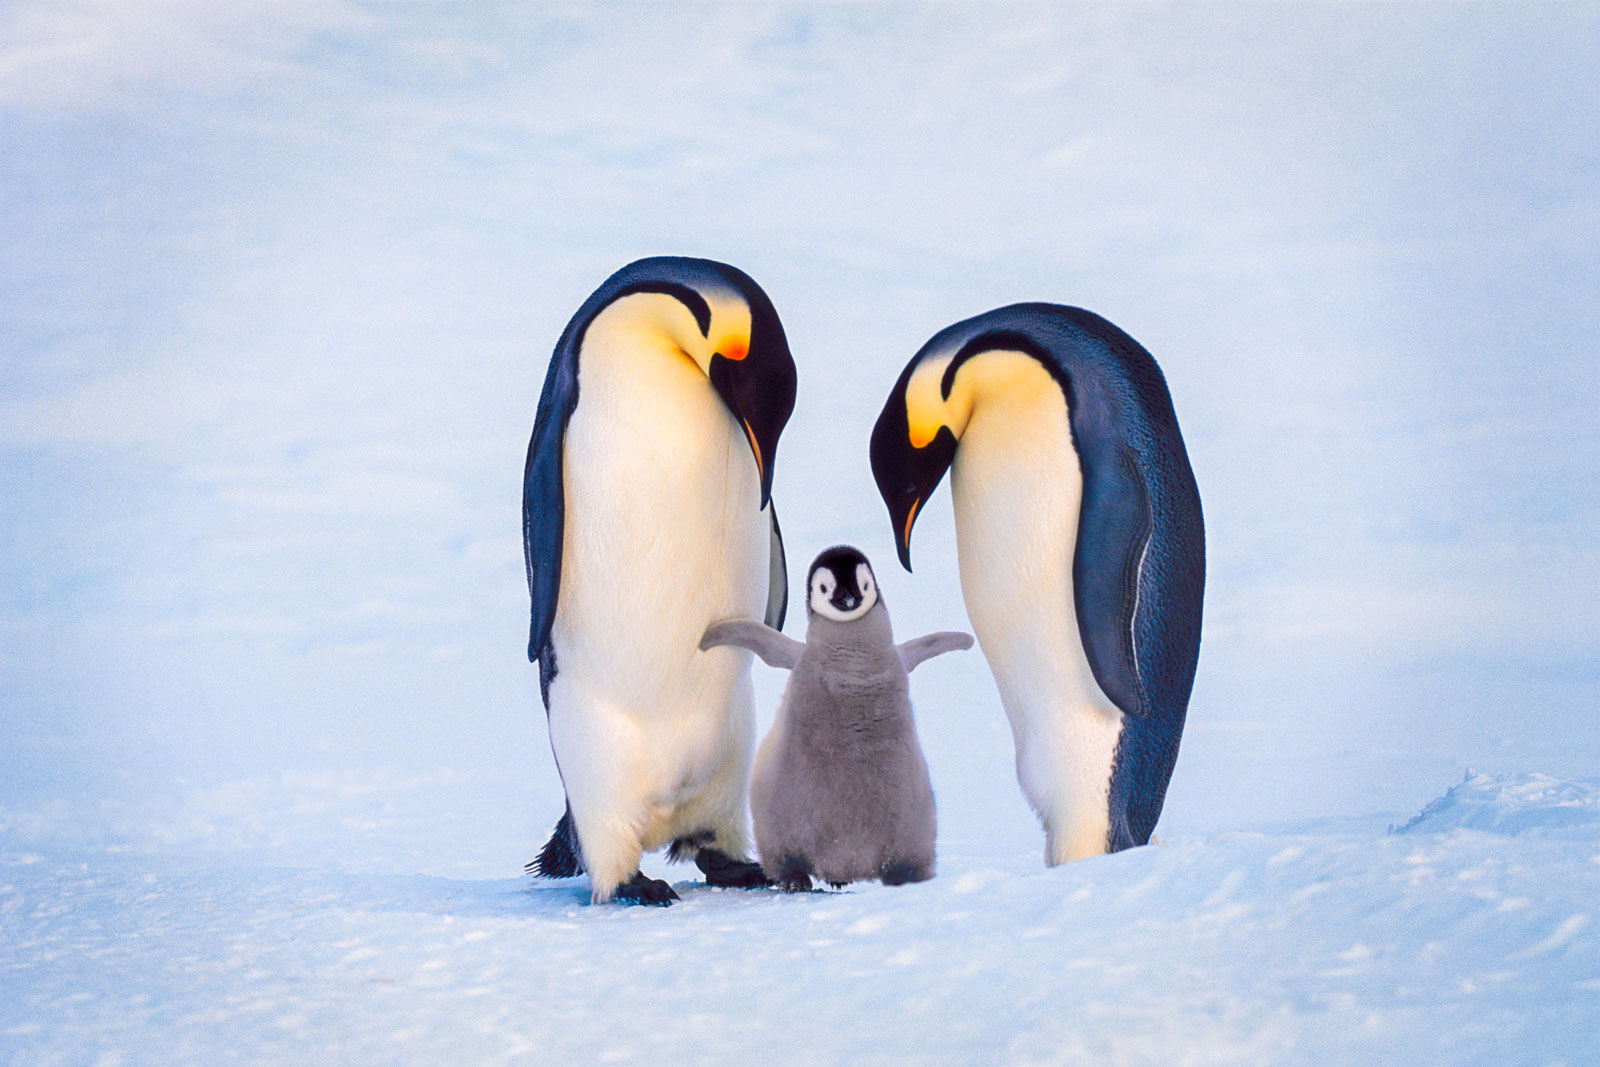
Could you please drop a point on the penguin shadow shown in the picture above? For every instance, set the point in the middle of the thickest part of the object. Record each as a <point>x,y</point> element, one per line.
<point>561,894</point>
<point>568,893</point>
<point>564,894</point>
<point>568,896</point>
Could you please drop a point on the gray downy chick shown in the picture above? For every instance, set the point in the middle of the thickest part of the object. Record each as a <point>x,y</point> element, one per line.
<point>841,789</point>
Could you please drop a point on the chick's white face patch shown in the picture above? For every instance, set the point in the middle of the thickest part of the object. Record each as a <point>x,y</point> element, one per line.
<point>869,589</point>
<point>824,585</point>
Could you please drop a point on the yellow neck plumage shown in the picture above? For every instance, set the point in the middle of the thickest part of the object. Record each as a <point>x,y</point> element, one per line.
<point>988,378</point>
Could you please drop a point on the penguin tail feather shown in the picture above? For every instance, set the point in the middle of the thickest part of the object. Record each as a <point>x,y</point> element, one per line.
<point>688,847</point>
<point>561,856</point>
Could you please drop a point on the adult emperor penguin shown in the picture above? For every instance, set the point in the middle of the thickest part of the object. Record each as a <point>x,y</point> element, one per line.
<point>1081,550</point>
<point>646,515</point>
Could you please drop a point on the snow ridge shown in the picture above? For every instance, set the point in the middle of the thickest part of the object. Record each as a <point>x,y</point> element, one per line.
<point>1510,805</point>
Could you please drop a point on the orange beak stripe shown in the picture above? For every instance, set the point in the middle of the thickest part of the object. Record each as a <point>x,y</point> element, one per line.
<point>761,468</point>
<point>911,518</point>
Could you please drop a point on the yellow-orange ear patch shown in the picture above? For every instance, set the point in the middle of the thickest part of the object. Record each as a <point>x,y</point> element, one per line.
<point>926,407</point>
<point>734,349</point>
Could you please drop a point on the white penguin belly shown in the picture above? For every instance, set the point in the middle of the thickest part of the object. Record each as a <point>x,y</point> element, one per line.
<point>1017,487</point>
<point>663,535</point>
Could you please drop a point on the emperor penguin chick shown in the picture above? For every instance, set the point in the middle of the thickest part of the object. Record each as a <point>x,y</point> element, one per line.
<point>841,789</point>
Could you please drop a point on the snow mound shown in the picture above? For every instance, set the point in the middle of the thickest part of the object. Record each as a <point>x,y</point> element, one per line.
<point>1510,805</point>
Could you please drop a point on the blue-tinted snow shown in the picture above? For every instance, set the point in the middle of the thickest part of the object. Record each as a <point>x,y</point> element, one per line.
<point>1337,944</point>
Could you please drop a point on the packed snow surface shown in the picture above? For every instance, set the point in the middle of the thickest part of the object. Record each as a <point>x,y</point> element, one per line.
<point>1468,936</point>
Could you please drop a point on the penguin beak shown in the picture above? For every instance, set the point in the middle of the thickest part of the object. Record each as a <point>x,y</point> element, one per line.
<point>902,542</point>
<point>761,467</point>
<point>758,388</point>
<point>906,475</point>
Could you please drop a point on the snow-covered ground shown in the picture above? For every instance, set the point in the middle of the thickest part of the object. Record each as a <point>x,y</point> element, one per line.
<point>278,281</point>
<point>1467,935</point>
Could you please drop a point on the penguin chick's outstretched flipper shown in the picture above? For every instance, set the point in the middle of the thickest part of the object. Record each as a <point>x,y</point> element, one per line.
<point>774,649</point>
<point>921,649</point>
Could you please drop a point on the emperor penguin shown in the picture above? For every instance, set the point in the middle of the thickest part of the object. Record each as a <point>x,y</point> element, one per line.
<point>1081,550</point>
<point>646,515</point>
<point>841,788</point>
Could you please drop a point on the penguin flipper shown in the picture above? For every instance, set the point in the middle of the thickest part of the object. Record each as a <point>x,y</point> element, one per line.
<point>774,648</point>
<point>921,649</point>
<point>1114,529</point>
<point>778,575</point>
<point>544,503</point>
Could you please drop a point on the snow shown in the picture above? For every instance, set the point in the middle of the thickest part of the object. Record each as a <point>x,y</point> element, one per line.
<point>1470,936</point>
<point>278,281</point>
<point>1530,804</point>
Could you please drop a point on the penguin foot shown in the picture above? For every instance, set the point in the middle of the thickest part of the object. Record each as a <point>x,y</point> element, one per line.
<point>902,871</point>
<point>641,889</point>
<point>723,870</point>
<point>794,875</point>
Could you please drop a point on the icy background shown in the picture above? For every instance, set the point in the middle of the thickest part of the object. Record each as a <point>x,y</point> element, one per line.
<point>278,283</point>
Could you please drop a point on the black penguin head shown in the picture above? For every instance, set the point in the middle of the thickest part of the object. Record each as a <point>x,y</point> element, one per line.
<point>840,585</point>
<point>909,461</point>
<point>907,475</point>
<point>757,380</point>
<point>929,408</point>
<point>722,321</point>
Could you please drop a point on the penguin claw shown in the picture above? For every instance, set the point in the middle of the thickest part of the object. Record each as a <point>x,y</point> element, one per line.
<point>794,875</point>
<point>723,870</point>
<point>641,889</point>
